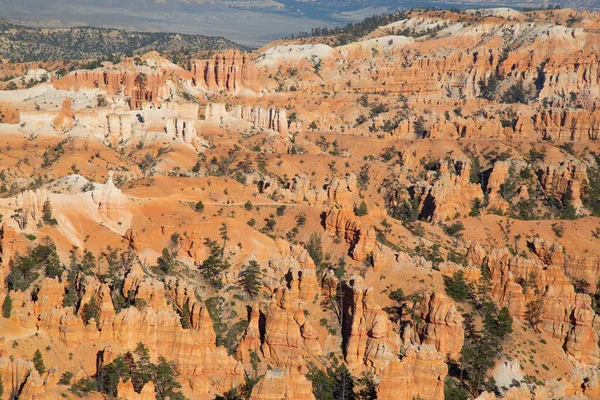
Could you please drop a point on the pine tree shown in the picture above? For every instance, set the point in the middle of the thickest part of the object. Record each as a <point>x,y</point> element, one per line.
<point>91,311</point>
<point>387,227</point>
<point>344,389</point>
<point>315,248</point>
<point>54,268</point>
<point>167,262</point>
<point>38,362</point>
<point>47,214</point>
<point>214,265</point>
<point>165,380</point>
<point>88,262</point>
<point>144,368</point>
<point>7,306</point>
<point>185,316</point>
<point>224,237</point>
<point>367,388</point>
<point>141,81</point>
<point>250,278</point>
<point>361,209</point>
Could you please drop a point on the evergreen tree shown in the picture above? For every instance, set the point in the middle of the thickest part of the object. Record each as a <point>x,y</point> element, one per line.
<point>167,261</point>
<point>232,394</point>
<point>38,362</point>
<point>144,369</point>
<point>361,209</point>
<point>23,271</point>
<point>250,278</point>
<point>199,207</point>
<point>315,248</point>
<point>91,310</point>
<point>515,94</point>
<point>456,286</point>
<point>165,380</point>
<point>141,80</point>
<point>224,237</point>
<point>367,387</point>
<point>214,265</point>
<point>534,312</point>
<point>475,174</point>
<point>88,263</point>
<point>344,388</point>
<point>488,88</point>
<point>7,306</point>
<point>54,267</point>
<point>387,227</point>
<point>185,316</point>
<point>47,214</point>
<point>323,382</point>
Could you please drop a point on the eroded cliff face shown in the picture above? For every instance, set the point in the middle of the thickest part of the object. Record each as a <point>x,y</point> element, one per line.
<point>140,86</point>
<point>451,194</point>
<point>565,181</point>
<point>282,385</point>
<point>232,71</point>
<point>521,284</point>
<point>280,332</point>
<point>369,337</point>
<point>204,366</point>
<point>357,232</point>
<point>442,325</point>
<point>245,254</point>
<point>259,117</point>
<point>421,372</point>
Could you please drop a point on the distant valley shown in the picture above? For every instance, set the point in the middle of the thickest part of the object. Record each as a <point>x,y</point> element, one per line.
<point>248,22</point>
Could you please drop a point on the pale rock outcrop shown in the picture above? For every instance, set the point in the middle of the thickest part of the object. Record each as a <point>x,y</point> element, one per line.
<point>566,315</point>
<point>282,385</point>
<point>113,205</point>
<point>356,231</point>
<point>216,111</point>
<point>260,117</point>
<point>185,110</point>
<point>271,118</point>
<point>341,192</point>
<point>451,194</point>
<point>183,129</point>
<point>125,391</point>
<point>565,179</point>
<point>288,335</point>
<point>420,373</point>
<point>494,185</point>
<point>32,202</point>
<point>442,325</point>
<point>369,339</point>
<point>119,127</point>
<point>507,371</point>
